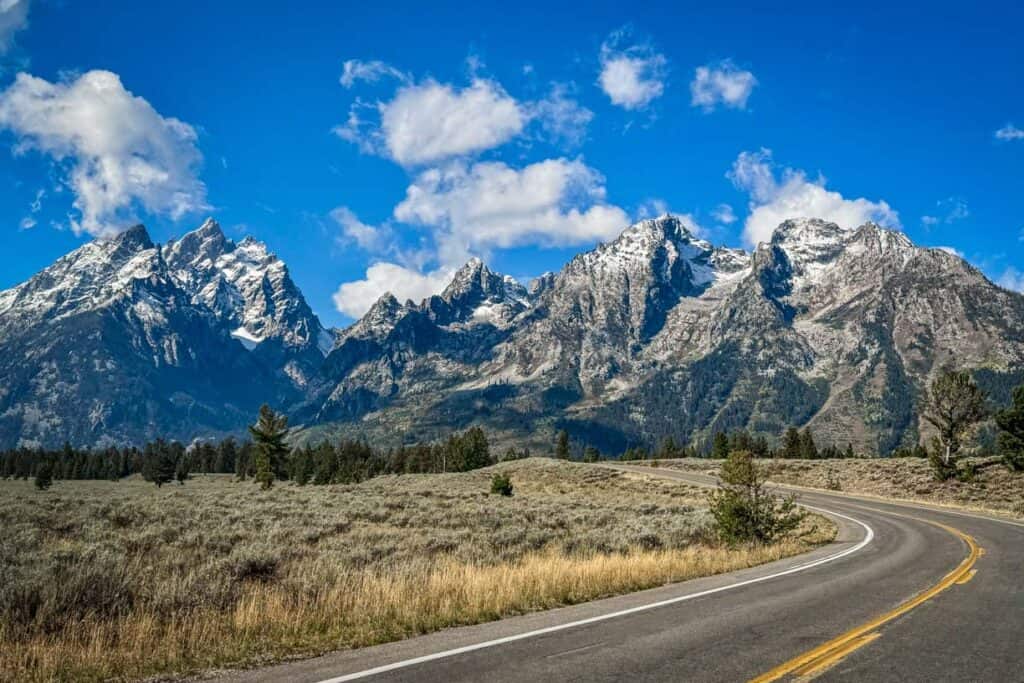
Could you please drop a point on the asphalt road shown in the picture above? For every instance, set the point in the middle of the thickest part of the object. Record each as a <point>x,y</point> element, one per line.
<point>845,612</point>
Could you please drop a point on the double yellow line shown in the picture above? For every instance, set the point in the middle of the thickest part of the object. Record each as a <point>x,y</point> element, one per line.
<point>827,655</point>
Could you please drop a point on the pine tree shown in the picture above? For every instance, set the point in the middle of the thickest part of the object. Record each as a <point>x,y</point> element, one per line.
<point>1011,435</point>
<point>954,404</point>
<point>158,463</point>
<point>562,445</point>
<point>720,446</point>
<point>44,475</point>
<point>668,449</point>
<point>808,450</point>
<point>268,435</point>
<point>591,454</point>
<point>264,472</point>
<point>791,443</point>
<point>849,451</point>
<point>181,470</point>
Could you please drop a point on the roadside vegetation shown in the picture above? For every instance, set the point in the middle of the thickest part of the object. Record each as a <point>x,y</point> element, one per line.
<point>103,579</point>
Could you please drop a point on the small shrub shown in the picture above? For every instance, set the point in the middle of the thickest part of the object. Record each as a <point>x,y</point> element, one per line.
<point>44,476</point>
<point>832,481</point>
<point>967,472</point>
<point>501,485</point>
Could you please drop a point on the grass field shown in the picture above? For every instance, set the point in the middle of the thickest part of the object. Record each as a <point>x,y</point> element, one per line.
<point>121,579</point>
<point>994,488</point>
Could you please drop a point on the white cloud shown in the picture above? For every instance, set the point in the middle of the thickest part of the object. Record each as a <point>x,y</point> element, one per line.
<point>431,121</point>
<point>652,208</point>
<point>724,214</point>
<point>473,208</point>
<point>950,211</point>
<point>121,154</point>
<point>13,18</point>
<point>1012,279</point>
<point>631,76</point>
<point>355,298</point>
<point>952,250</point>
<point>791,195</point>
<point>1010,132</point>
<point>368,237</point>
<point>355,70</point>
<point>722,83</point>
<point>561,118</point>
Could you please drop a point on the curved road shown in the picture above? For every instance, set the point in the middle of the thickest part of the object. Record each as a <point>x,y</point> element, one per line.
<point>907,592</point>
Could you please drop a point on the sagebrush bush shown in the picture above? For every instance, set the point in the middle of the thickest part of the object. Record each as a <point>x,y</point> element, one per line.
<point>501,484</point>
<point>102,580</point>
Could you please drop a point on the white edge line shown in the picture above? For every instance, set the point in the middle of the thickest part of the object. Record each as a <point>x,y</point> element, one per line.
<point>869,536</point>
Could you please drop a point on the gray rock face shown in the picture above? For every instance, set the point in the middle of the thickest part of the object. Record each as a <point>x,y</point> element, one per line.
<point>657,333</point>
<point>123,340</point>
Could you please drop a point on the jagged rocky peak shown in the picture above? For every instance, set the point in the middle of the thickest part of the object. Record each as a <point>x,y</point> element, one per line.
<point>134,239</point>
<point>643,239</point>
<point>475,282</point>
<point>809,240</point>
<point>541,284</point>
<point>199,248</point>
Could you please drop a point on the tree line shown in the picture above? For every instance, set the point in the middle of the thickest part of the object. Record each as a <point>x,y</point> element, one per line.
<point>954,405</point>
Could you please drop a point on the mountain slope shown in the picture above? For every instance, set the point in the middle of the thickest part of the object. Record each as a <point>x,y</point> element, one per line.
<point>123,340</point>
<point>656,333</point>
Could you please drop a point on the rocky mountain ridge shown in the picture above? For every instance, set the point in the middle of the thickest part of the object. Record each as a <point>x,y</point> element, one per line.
<point>655,333</point>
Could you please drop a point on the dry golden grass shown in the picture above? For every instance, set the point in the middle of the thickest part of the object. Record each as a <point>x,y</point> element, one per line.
<point>994,489</point>
<point>126,581</point>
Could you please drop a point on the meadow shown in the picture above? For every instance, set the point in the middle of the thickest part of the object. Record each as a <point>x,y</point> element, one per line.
<point>103,580</point>
<point>993,488</point>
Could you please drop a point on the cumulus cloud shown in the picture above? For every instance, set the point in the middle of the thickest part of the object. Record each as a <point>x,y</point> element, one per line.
<point>430,121</point>
<point>721,84</point>
<point>1009,132</point>
<point>13,18</point>
<point>561,118</point>
<point>724,214</point>
<point>474,208</point>
<point>631,76</point>
<point>1012,279</point>
<point>368,237</point>
<point>118,152</point>
<point>776,197</point>
<point>355,298</point>
<point>355,70</point>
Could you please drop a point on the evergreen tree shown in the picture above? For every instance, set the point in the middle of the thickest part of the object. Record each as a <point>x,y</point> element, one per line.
<point>159,464</point>
<point>1011,432</point>
<point>808,450</point>
<point>264,475</point>
<point>181,470</point>
<point>720,446</point>
<point>668,449</point>
<point>791,443</point>
<point>302,466</point>
<point>954,404</point>
<point>268,435</point>
<point>591,454</point>
<point>849,451</point>
<point>562,445</point>
<point>44,475</point>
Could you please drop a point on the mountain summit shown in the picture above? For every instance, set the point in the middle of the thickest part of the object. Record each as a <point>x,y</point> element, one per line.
<point>655,333</point>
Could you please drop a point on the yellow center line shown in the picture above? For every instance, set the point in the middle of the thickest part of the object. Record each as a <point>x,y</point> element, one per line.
<point>829,654</point>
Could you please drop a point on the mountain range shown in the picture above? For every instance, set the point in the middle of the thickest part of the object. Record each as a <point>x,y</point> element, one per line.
<point>657,333</point>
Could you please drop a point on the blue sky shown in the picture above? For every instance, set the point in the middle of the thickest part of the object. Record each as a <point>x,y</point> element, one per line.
<point>376,147</point>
